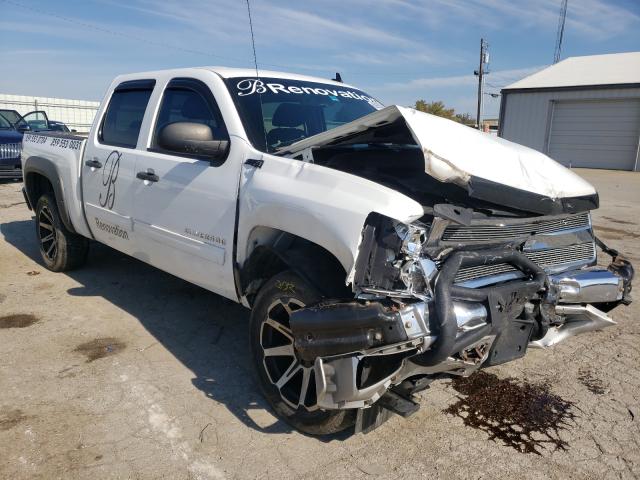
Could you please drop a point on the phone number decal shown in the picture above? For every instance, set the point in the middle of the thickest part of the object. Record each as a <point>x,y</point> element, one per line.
<point>34,138</point>
<point>66,143</point>
<point>55,141</point>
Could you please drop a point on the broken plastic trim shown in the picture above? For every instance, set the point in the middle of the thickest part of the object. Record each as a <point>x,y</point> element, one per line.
<point>501,194</point>
<point>335,329</point>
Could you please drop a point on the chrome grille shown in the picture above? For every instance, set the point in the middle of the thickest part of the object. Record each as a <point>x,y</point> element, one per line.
<point>488,233</point>
<point>10,150</point>
<point>550,259</point>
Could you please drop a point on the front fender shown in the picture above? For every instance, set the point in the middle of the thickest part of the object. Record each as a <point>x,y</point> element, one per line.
<point>325,206</point>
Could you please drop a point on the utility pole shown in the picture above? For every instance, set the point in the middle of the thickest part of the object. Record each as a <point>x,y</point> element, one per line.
<point>480,73</point>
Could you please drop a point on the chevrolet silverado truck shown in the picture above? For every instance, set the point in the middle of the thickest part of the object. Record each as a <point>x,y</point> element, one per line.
<point>378,248</point>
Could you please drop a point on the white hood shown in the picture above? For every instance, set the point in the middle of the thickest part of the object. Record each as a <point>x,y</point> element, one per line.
<point>455,153</point>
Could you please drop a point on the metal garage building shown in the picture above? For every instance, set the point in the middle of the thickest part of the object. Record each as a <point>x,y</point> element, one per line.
<point>77,114</point>
<point>582,112</point>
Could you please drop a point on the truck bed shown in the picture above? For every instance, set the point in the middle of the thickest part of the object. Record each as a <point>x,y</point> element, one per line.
<point>66,151</point>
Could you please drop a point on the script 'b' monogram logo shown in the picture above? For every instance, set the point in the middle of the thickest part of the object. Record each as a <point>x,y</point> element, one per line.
<point>109,176</point>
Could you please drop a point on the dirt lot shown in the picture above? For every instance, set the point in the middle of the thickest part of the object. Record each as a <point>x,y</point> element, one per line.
<point>119,370</point>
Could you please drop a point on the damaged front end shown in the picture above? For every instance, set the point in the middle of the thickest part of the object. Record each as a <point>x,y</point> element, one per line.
<point>451,293</point>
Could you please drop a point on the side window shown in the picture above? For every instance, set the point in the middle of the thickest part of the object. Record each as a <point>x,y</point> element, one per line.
<point>187,100</point>
<point>123,118</point>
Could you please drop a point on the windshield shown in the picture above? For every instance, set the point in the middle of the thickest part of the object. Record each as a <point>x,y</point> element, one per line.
<point>293,109</point>
<point>4,123</point>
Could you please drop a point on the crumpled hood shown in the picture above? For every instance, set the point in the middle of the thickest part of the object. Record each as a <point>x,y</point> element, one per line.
<point>477,161</point>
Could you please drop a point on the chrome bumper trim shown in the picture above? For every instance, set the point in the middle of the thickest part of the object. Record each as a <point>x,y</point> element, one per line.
<point>593,285</point>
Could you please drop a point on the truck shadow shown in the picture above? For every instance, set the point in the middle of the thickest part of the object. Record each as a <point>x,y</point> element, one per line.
<point>204,331</point>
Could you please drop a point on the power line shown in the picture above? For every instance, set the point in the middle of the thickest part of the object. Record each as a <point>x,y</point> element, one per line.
<point>188,50</point>
<point>112,32</point>
<point>142,39</point>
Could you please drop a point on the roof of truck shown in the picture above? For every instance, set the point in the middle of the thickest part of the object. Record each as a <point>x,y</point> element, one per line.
<point>229,72</point>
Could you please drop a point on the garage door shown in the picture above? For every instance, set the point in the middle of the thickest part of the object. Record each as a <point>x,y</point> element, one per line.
<point>595,133</point>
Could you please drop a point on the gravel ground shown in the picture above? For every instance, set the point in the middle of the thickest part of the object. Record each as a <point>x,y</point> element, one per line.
<point>118,370</point>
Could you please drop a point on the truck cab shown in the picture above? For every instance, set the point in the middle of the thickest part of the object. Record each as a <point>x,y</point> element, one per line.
<point>378,247</point>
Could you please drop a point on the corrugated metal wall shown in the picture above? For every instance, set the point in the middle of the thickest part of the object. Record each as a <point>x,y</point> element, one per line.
<point>527,115</point>
<point>77,114</point>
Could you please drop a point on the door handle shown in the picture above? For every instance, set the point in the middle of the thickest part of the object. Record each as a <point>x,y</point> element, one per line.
<point>93,163</point>
<point>149,176</point>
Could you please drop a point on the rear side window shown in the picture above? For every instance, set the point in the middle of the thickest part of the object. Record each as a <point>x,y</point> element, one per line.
<point>123,119</point>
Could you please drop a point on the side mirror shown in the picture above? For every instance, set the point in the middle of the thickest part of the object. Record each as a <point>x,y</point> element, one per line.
<point>192,139</point>
<point>23,127</point>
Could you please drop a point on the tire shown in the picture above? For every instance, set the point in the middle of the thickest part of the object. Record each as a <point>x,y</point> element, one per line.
<point>269,328</point>
<point>60,249</point>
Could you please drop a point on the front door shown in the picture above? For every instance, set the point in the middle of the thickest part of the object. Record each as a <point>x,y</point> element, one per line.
<point>33,121</point>
<point>185,205</point>
<point>108,168</point>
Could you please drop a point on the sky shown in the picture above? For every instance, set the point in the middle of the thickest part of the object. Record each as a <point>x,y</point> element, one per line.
<point>396,50</point>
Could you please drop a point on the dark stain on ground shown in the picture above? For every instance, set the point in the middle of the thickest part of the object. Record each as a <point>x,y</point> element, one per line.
<point>18,320</point>
<point>593,384</point>
<point>526,417</point>
<point>100,348</point>
<point>11,418</point>
<point>616,220</point>
<point>614,233</point>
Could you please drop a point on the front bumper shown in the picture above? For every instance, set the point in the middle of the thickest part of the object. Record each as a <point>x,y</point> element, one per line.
<point>10,168</point>
<point>358,357</point>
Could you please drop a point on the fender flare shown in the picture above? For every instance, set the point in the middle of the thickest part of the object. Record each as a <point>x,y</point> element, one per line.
<point>328,277</point>
<point>46,168</point>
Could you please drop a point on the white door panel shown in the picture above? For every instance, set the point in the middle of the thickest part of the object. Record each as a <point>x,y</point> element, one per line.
<point>185,221</point>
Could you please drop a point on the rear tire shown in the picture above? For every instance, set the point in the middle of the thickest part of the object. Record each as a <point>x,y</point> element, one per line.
<point>60,249</point>
<point>294,399</point>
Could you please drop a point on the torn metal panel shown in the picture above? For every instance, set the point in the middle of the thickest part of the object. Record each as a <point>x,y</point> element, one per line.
<point>488,167</point>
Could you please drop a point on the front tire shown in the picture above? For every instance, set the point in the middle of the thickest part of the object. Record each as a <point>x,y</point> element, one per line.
<point>288,383</point>
<point>60,249</point>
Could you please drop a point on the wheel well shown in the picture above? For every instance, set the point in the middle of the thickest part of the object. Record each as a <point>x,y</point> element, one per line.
<point>316,265</point>
<point>36,185</point>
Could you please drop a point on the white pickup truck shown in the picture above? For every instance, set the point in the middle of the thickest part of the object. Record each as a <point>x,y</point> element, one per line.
<point>378,248</point>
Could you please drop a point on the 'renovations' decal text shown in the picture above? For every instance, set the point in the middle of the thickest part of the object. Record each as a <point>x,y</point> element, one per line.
<point>250,86</point>
<point>109,176</point>
<point>112,229</point>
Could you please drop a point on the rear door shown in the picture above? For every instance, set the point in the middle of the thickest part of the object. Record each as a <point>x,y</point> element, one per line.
<point>185,215</point>
<point>108,168</point>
